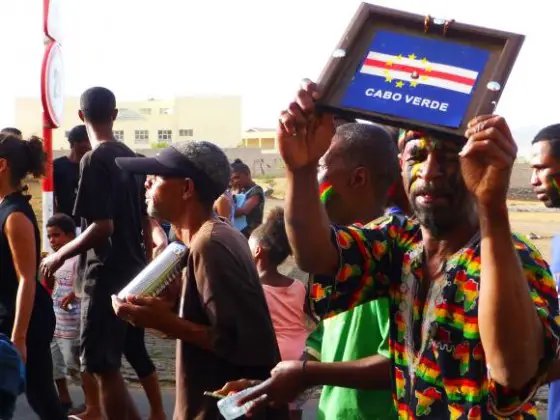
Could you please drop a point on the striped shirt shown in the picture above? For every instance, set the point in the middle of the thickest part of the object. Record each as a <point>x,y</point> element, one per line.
<point>67,322</point>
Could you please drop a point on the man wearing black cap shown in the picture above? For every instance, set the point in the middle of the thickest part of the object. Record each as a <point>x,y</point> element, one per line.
<point>224,326</point>
<point>66,171</point>
<point>111,202</point>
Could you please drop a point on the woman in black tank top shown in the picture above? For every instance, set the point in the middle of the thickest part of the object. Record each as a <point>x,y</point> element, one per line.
<point>26,310</point>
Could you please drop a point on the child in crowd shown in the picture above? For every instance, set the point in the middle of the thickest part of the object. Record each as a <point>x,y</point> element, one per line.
<point>285,296</point>
<point>61,229</point>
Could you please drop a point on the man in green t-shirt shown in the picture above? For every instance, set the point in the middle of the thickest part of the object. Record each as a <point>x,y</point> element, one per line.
<point>353,335</point>
<point>351,349</point>
<point>364,330</point>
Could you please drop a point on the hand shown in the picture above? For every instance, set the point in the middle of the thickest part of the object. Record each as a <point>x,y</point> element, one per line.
<point>487,159</point>
<point>303,137</point>
<point>21,346</point>
<point>50,264</point>
<point>284,385</point>
<point>146,312</point>
<point>234,387</point>
<point>67,300</point>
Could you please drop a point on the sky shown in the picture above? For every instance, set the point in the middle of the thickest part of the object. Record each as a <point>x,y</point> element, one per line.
<point>254,48</point>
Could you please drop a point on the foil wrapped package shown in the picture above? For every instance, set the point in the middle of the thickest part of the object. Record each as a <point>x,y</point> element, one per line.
<point>157,275</point>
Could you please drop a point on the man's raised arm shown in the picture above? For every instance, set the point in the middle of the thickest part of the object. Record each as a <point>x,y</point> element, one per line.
<point>303,137</point>
<point>516,313</point>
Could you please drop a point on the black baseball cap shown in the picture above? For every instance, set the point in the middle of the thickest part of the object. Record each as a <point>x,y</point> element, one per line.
<point>171,163</point>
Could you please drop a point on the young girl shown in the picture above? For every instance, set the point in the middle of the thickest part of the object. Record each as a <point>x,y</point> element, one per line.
<point>285,296</point>
<point>26,311</point>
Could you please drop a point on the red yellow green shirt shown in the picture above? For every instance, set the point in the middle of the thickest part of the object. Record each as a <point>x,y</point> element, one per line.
<point>439,363</point>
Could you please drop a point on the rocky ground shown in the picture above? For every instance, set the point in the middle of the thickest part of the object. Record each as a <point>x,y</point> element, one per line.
<point>162,352</point>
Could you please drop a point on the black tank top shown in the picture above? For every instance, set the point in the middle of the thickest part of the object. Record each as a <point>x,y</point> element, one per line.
<point>42,317</point>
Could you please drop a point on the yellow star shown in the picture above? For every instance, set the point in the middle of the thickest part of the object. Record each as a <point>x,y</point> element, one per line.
<point>389,63</point>
<point>400,57</point>
<point>399,84</point>
<point>413,83</point>
<point>424,60</point>
<point>412,57</point>
<point>428,68</point>
<point>423,77</point>
<point>386,72</point>
<point>388,79</point>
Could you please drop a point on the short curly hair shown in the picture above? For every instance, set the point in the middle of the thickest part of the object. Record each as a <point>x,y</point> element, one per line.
<point>272,236</point>
<point>210,159</point>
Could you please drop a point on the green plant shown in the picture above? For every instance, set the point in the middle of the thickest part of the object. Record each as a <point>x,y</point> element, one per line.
<point>160,145</point>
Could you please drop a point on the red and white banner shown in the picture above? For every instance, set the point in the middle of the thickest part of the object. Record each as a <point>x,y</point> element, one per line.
<point>419,72</point>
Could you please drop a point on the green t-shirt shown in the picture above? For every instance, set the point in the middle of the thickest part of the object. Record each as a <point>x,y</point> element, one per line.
<point>358,333</point>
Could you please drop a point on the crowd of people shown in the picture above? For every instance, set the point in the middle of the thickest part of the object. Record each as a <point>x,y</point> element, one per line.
<point>421,302</point>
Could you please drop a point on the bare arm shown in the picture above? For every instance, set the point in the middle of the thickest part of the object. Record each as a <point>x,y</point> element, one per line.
<point>553,373</point>
<point>372,372</point>
<point>307,224</point>
<point>147,234</point>
<point>248,206</point>
<point>510,330</point>
<point>21,239</point>
<point>303,138</point>
<point>159,238</point>
<point>223,206</point>
<point>96,233</point>
<point>190,332</point>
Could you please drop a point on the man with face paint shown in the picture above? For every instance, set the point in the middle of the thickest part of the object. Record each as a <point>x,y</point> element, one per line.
<point>545,162</point>
<point>351,350</point>
<point>545,179</point>
<point>473,306</point>
<point>355,176</point>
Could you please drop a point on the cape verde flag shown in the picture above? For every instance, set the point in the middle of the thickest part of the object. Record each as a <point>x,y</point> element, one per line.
<point>425,79</point>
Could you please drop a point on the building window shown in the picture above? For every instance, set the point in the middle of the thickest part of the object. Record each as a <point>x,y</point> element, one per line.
<point>141,137</point>
<point>164,136</point>
<point>118,135</point>
<point>146,111</point>
<point>186,132</point>
<point>165,111</point>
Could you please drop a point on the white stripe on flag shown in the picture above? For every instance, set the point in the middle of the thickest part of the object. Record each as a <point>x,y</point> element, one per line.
<point>444,68</point>
<point>405,76</point>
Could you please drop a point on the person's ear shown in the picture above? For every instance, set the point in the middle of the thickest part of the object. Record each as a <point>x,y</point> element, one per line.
<point>188,189</point>
<point>360,177</point>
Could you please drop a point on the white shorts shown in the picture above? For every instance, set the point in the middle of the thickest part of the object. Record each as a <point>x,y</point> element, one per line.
<point>65,356</point>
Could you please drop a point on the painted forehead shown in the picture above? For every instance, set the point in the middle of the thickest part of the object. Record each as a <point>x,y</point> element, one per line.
<point>422,140</point>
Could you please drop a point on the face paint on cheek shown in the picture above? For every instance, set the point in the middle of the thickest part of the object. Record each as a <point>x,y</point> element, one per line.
<point>325,191</point>
<point>554,180</point>
<point>415,170</point>
<point>412,171</point>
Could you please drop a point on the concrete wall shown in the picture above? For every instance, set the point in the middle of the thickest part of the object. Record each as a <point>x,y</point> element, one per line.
<point>269,164</point>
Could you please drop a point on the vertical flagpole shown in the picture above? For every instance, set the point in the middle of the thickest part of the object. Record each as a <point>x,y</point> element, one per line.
<point>52,98</point>
<point>48,184</point>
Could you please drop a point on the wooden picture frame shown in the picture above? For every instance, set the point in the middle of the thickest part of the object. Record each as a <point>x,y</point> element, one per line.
<point>355,48</point>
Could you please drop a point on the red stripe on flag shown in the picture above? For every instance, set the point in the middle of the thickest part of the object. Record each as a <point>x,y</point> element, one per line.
<point>421,72</point>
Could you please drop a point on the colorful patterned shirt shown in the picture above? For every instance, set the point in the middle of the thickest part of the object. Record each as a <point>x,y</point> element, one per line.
<point>439,363</point>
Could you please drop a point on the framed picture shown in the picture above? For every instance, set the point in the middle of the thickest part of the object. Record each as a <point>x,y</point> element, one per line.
<point>416,72</point>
